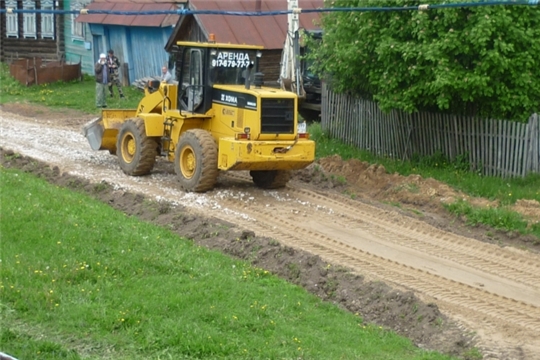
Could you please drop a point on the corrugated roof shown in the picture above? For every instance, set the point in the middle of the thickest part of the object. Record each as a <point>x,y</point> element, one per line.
<point>268,31</point>
<point>132,20</point>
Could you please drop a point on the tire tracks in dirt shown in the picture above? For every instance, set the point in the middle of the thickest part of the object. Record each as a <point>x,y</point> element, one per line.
<point>410,233</point>
<point>498,288</point>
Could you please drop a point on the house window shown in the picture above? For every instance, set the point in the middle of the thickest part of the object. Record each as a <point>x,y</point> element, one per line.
<point>12,20</point>
<point>29,20</point>
<point>47,20</point>
<point>77,28</point>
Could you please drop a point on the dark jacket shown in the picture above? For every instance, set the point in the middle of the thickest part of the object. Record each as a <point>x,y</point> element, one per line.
<point>99,69</point>
<point>113,63</point>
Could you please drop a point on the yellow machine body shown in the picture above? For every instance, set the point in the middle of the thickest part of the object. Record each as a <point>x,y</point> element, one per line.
<point>240,118</point>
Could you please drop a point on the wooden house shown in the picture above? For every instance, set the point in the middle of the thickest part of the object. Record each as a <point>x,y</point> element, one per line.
<point>78,39</point>
<point>31,35</point>
<point>47,37</point>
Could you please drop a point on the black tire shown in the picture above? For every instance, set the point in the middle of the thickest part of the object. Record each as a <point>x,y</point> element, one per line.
<point>195,161</point>
<point>270,179</point>
<point>136,152</point>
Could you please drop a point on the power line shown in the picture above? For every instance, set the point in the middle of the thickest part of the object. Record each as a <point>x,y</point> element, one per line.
<point>421,7</point>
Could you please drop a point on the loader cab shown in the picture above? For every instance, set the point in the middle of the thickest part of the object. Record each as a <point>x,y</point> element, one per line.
<point>200,66</point>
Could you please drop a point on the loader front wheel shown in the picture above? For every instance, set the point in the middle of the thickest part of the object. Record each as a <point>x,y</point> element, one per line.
<point>270,179</point>
<point>136,152</point>
<point>196,161</point>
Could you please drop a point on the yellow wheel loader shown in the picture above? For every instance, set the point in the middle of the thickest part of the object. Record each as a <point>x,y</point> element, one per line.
<point>218,117</point>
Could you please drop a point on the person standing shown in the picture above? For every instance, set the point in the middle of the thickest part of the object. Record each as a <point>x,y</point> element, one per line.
<point>114,74</point>
<point>166,76</point>
<point>102,80</point>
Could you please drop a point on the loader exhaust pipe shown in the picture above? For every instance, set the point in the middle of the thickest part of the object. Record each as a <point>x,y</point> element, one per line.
<point>247,75</point>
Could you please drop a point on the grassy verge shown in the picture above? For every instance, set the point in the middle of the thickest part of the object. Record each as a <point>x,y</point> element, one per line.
<point>79,95</point>
<point>497,218</point>
<point>455,174</point>
<point>80,280</point>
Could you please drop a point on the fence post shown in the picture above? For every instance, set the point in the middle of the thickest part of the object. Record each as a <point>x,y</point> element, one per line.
<point>324,103</point>
<point>535,142</point>
<point>35,72</point>
<point>532,143</point>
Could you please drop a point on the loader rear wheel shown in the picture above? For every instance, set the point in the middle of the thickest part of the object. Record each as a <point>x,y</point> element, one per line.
<point>136,152</point>
<point>270,179</point>
<point>196,161</point>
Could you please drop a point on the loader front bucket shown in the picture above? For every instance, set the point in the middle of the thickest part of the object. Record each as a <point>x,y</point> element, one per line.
<point>101,132</point>
<point>93,131</point>
<point>100,136</point>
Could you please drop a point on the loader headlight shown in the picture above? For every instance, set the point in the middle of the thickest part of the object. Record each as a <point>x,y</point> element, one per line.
<point>247,130</point>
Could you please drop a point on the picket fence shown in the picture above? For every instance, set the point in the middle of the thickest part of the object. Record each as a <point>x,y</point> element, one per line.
<point>491,147</point>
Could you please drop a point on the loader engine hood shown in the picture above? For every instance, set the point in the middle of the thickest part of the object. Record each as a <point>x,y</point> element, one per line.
<point>267,111</point>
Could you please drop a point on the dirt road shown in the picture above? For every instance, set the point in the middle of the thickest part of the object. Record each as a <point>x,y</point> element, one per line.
<point>490,292</point>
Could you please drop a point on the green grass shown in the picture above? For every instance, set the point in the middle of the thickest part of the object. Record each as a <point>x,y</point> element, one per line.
<point>498,218</point>
<point>457,175</point>
<point>80,280</point>
<point>79,95</point>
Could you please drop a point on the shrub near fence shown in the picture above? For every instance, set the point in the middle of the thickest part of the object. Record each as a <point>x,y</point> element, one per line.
<point>493,147</point>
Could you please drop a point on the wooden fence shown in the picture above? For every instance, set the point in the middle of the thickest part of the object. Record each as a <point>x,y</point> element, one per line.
<point>492,147</point>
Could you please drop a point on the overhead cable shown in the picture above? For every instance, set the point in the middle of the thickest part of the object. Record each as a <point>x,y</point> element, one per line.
<point>422,7</point>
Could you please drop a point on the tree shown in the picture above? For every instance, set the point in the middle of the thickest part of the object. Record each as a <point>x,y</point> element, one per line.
<point>471,60</point>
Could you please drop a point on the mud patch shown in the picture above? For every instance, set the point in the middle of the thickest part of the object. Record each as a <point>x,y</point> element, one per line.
<point>374,302</point>
<point>67,118</point>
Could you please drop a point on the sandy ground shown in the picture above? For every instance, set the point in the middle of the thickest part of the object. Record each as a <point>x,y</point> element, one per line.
<point>335,230</point>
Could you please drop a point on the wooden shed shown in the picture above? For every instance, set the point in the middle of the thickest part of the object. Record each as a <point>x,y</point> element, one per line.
<point>137,40</point>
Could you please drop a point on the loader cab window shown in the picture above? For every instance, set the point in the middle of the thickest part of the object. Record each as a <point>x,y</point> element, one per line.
<point>231,67</point>
<point>191,96</point>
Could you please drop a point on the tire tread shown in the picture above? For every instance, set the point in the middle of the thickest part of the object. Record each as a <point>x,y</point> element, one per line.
<point>147,158</point>
<point>209,153</point>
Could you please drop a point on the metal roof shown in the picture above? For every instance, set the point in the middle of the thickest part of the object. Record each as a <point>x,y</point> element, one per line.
<point>268,31</point>
<point>132,20</point>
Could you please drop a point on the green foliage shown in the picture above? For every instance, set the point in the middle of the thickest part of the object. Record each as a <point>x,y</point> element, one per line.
<point>327,146</point>
<point>441,161</point>
<point>78,95</point>
<point>475,61</point>
<point>81,280</point>
<point>497,218</point>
